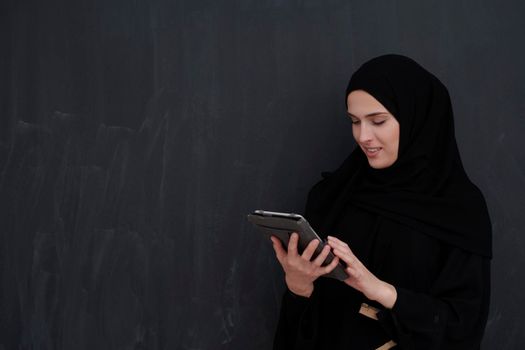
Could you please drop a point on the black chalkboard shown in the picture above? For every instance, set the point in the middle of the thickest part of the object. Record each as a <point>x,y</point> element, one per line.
<point>135,136</point>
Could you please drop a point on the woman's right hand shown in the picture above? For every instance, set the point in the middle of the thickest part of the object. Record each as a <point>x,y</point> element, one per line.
<point>300,271</point>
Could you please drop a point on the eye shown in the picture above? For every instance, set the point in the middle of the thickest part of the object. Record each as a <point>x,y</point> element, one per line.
<point>379,122</point>
<point>355,122</point>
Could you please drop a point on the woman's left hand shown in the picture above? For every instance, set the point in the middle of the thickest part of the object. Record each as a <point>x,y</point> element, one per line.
<point>360,278</point>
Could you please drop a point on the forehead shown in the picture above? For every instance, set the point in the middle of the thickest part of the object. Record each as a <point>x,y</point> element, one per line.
<point>361,102</point>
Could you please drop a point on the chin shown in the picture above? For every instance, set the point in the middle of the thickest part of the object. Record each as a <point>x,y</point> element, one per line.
<point>380,165</point>
<point>377,166</point>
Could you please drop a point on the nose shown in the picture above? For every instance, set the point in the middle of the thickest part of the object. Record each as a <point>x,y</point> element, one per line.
<point>365,134</point>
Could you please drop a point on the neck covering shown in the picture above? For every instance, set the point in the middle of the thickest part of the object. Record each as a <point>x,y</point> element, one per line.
<point>426,188</point>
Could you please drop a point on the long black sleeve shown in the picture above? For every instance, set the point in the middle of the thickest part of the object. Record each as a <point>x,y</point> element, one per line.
<point>452,315</point>
<point>297,325</point>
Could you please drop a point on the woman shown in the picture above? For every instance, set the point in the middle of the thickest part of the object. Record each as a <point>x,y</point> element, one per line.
<point>412,230</point>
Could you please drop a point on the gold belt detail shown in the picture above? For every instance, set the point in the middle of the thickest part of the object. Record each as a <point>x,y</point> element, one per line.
<point>371,312</point>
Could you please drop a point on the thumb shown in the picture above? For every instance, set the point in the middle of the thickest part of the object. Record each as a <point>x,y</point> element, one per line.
<point>278,247</point>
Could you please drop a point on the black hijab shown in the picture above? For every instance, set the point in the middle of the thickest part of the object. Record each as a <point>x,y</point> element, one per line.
<point>427,188</point>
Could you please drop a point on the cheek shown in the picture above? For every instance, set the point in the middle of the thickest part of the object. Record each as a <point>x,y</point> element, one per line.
<point>393,139</point>
<point>390,138</point>
<point>396,144</point>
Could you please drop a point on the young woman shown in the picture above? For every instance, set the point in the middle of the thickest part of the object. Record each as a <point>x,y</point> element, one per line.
<point>401,214</point>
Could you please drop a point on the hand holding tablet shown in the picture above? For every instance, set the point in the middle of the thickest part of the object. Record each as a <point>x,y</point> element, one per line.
<point>282,225</point>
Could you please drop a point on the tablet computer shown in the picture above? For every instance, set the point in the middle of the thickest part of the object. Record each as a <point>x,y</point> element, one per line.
<point>282,225</point>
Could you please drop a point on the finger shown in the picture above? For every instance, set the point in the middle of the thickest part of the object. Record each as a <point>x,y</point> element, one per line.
<point>330,267</point>
<point>280,253</point>
<point>334,245</point>
<point>347,257</point>
<point>355,274</point>
<point>341,246</point>
<point>336,242</point>
<point>310,249</point>
<point>350,270</point>
<point>292,244</point>
<point>319,260</point>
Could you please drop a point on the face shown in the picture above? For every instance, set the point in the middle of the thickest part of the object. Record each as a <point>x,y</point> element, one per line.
<point>375,130</point>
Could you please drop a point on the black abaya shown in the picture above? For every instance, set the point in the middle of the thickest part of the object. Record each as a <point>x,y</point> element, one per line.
<point>420,225</point>
<point>442,302</point>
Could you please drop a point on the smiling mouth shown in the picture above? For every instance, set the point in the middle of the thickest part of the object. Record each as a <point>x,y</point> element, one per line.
<point>372,151</point>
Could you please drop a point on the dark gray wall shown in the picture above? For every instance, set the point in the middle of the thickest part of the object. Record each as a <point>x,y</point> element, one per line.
<point>136,135</point>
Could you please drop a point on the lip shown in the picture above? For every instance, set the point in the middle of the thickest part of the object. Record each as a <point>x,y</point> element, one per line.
<point>371,154</point>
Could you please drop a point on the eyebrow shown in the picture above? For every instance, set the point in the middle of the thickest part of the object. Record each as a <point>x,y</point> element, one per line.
<point>368,115</point>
